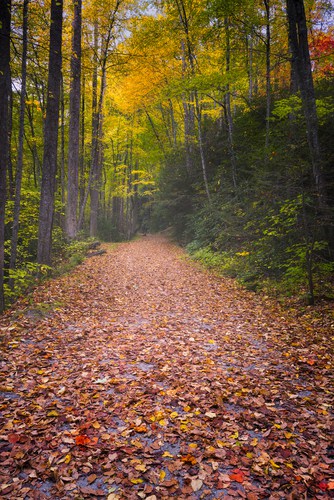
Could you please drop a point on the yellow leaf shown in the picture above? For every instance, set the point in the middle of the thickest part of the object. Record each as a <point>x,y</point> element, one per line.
<point>186,408</point>
<point>96,425</point>
<point>273,464</point>
<point>141,468</point>
<point>53,413</point>
<point>235,435</point>
<point>163,422</point>
<point>211,341</point>
<point>136,481</point>
<point>167,454</point>
<point>68,458</point>
<point>174,414</point>
<point>249,455</point>
<point>162,475</point>
<point>288,435</point>
<point>183,427</point>
<point>254,442</point>
<point>136,443</point>
<point>221,444</point>
<point>289,465</point>
<point>192,445</point>
<point>278,426</point>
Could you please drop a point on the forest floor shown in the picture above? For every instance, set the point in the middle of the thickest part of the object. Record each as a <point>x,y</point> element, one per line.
<point>139,375</point>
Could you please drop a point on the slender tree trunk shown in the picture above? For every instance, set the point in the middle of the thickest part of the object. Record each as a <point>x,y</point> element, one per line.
<point>156,134</point>
<point>227,108</point>
<point>5,16</point>
<point>19,167</point>
<point>33,148</point>
<point>11,181</point>
<point>250,44</point>
<point>173,122</point>
<point>74,128</point>
<point>188,112</point>
<point>82,148</point>
<point>62,148</point>
<point>268,74</point>
<point>201,148</point>
<point>94,178</point>
<point>302,66</point>
<point>50,136</point>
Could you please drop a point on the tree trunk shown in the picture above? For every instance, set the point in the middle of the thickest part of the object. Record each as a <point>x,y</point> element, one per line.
<point>5,15</point>
<point>227,107</point>
<point>74,128</point>
<point>268,74</point>
<point>93,188</point>
<point>201,148</point>
<point>50,136</point>
<point>60,217</point>
<point>19,167</point>
<point>302,66</point>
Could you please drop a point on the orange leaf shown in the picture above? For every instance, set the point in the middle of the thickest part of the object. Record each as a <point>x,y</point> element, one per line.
<point>189,459</point>
<point>237,475</point>
<point>82,439</point>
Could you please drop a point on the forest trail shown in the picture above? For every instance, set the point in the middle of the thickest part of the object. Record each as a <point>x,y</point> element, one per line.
<point>139,375</point>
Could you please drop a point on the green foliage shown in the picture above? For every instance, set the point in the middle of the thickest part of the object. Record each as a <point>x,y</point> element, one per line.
<point>23,279</point>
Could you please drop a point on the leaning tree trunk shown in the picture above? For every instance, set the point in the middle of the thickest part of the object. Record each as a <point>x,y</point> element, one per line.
<point>5,11</point>
<point>74,128</point>
<point>19,167</point>
<point>50,136</point>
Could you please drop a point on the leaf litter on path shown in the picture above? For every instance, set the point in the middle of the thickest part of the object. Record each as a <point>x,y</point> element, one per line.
<point>150,378</point>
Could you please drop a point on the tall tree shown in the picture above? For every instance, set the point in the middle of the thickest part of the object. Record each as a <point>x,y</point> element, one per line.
<point>74,127</point>
<point>50,136</point>
<point>298,40</point>
<point>5,16</point>
<point>19,167</point>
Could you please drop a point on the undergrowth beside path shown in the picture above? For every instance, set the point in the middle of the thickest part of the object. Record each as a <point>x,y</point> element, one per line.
<point>139,375</point>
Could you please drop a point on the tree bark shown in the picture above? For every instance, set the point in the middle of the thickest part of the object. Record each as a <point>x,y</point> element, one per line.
<point>268,74</point>
<point>94,177</point>
<point>50,136</point>
<point>5,16</point>
<point>301,64</point>
<point>227,107</point>
<point>74,127</point>
<point>19,167</point>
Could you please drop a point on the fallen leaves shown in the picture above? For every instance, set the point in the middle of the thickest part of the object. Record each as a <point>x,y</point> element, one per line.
<point>180,386</point>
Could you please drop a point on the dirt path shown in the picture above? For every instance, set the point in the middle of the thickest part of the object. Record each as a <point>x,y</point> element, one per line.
<point>141,376</point>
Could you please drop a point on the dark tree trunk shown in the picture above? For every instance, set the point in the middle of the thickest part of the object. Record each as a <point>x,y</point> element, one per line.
<point>11,181</point>
<point>301,65</point>
<point>268,74</point>
<point>60,217</point>
<point>74,136</point>
<point>50,136</point>
<point>19,167</point>
<point>5,14</point>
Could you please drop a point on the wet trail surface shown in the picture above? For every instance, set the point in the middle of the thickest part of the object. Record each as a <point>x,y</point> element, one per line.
<point>139,375</point>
